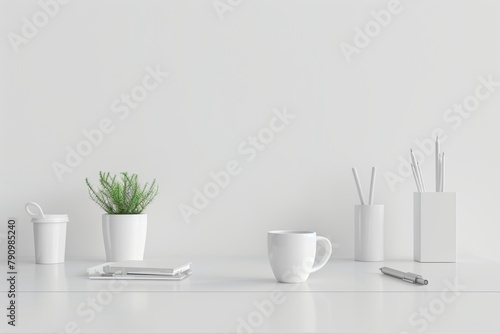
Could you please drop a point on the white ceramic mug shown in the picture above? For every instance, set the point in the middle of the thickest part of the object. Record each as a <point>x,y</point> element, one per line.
<point>292,254</point>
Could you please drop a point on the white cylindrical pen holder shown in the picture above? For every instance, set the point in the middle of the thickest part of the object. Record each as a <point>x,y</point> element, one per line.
<point>369,232</point>
<point>434,227</point>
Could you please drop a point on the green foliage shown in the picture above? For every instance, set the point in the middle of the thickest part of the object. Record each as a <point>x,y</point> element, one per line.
<point>122,195</point>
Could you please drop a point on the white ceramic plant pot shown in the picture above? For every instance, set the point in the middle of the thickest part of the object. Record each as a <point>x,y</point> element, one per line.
<point>124,236</point>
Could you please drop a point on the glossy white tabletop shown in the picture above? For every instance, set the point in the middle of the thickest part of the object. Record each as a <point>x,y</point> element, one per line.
<point>231,296</point>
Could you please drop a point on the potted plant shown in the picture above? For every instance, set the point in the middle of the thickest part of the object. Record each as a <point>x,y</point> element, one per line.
<point>124,224</point>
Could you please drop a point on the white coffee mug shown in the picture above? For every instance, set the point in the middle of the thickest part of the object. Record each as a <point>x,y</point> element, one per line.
<point>292,254</point>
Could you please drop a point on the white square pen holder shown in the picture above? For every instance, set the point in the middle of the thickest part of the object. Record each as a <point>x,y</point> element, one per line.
<point>434,224</point>
<point>369,232</point>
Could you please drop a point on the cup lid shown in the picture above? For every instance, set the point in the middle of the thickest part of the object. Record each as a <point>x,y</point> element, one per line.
<point>51,219</point>
<point>37,215</point>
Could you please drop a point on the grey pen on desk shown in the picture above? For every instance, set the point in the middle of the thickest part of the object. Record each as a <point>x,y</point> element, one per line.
<point>407,277</point>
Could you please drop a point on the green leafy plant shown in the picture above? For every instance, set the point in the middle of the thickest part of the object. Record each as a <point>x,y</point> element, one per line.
<point>122,194</point>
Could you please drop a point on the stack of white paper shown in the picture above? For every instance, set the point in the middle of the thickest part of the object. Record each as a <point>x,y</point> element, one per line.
<point>141,270</point>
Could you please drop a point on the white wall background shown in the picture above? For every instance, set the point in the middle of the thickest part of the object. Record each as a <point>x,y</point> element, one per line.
<point>226,76</point>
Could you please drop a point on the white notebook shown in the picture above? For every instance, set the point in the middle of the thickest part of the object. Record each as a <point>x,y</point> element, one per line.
<point>148,267</point>
<point>177,277</point>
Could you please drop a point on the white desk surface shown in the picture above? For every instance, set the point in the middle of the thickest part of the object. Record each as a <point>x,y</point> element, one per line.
<point>242,296</point>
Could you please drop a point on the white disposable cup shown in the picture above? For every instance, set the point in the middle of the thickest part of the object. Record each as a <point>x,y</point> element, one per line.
<point>369,233</point>
<point>50,238</point>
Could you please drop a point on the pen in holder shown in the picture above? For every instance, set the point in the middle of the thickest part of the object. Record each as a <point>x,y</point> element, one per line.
<point>434,223</point>
<point>369,232</point>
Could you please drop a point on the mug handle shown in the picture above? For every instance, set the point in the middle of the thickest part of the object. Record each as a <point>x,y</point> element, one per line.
<point>326,256</point>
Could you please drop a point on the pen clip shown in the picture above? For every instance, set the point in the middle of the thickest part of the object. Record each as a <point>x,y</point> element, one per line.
<point>406,279</point>
<point>411,277</point>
